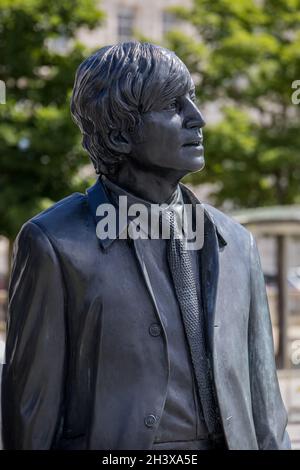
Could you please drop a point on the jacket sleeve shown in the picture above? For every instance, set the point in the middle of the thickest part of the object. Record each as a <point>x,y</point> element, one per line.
<point>33,376</point>
<point>270,417</point>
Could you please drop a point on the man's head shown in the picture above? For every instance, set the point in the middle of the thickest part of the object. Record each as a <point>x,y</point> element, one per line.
<point>135,100</point>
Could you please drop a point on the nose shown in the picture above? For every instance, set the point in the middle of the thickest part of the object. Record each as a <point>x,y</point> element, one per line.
<point>192,116</point>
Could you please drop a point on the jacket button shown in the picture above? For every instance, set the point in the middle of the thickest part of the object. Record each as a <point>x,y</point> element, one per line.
<point>150,420</point>
<point>155,329</point>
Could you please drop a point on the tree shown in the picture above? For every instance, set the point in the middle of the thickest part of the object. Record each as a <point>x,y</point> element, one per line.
<point>244,57</point>
<point>40,151</point>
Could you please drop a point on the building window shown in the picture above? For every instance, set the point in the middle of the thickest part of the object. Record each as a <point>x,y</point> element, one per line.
<point>126,17</point>
<point>169,21</point>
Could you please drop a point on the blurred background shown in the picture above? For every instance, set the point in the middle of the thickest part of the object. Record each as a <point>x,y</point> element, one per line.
<point>244,57</point>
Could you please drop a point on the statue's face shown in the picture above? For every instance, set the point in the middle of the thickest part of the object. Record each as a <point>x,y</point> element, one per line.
<point>172,137</point>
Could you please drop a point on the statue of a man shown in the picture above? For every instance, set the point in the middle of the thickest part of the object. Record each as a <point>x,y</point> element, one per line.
<point>127,342</point>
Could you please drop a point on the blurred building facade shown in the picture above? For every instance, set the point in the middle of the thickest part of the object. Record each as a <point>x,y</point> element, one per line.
<point>126,19</point>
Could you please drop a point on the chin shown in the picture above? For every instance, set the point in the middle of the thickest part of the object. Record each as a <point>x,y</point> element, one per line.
<point>197,164</point>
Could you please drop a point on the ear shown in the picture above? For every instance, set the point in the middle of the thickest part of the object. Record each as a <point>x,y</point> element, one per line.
<point>120,141</point>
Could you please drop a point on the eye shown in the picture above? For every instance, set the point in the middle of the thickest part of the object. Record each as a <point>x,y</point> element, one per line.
<point>173,104</point>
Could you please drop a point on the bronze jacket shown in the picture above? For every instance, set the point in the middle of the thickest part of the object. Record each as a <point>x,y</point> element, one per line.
<point>82,370</point>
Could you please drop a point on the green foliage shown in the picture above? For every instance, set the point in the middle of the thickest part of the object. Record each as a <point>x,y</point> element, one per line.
<point>244,56</point>
<point>40,151</point>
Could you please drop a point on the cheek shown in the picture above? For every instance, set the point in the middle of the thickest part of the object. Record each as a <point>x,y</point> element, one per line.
<point>166,133</point>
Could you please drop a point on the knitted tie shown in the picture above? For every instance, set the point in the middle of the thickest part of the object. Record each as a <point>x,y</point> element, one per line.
<point>193,320</point>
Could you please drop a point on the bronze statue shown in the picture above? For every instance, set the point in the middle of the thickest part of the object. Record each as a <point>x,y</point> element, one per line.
<point>138,343</point>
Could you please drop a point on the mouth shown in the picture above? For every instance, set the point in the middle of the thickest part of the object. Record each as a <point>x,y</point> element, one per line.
<point>194,143</point>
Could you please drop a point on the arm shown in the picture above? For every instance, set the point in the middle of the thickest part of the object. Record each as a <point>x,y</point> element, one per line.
<point>33,376</point>
<point>270,417</point>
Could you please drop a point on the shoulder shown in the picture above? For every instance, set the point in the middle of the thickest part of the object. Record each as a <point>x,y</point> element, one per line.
<point>64,217</point>
<point>226,221</point>
<point>66,210</point>
<point>62,220</point>
<point>232,231</point>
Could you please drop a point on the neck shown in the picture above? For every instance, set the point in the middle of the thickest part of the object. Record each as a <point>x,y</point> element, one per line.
<point>154,185</point>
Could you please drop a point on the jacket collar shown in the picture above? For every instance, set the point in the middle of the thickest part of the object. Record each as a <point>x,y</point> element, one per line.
<point>209,217</point>
<point>97,195</point>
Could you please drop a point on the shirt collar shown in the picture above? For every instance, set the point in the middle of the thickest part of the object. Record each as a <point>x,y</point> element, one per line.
<point>99,194</point>
<point>173,203</point>
<point>115,191</point>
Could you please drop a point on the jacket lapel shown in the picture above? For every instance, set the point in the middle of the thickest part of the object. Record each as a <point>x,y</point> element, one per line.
<point>209,275</point>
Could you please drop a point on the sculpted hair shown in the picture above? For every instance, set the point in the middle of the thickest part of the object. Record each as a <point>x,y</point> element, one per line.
<point>115,86</point>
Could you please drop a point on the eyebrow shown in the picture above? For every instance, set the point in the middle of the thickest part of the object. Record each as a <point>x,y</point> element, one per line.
<point>191,90</point>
